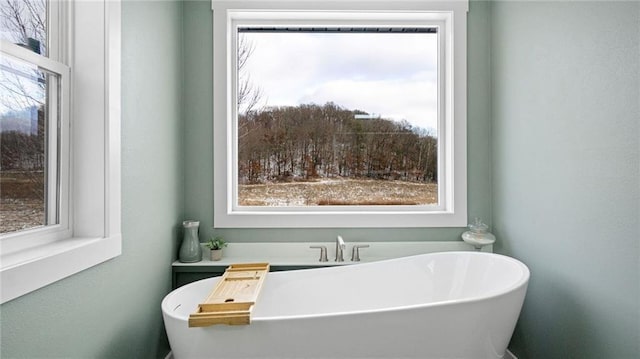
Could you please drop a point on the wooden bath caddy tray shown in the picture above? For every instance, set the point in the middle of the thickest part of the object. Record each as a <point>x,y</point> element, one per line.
<point>232,299</point>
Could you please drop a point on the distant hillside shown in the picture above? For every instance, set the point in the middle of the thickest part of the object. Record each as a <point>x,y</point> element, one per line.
<point>314,141</point>
<point>25,121</point>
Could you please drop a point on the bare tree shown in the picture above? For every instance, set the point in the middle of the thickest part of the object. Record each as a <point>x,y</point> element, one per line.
<point>25,22</point>
<point>249,95</point>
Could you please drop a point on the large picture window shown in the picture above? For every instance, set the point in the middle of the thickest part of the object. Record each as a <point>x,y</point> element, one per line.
<point>339,119</point>
<point>353,123</point>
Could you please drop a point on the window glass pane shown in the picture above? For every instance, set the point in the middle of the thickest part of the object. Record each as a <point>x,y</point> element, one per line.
<point>24,22</point>
<point>28,183</point>
<point>342,116</point>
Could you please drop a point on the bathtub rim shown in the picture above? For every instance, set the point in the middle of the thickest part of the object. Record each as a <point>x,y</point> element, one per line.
<point>523,281</point>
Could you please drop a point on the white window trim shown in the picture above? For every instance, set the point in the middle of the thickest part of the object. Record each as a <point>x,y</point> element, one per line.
<point>95,162</point>
<point>227,15</point>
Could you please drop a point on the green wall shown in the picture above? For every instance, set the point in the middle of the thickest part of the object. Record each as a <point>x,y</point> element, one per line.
<point>566,183</point>
<point>113,310</point>
<point>199,147</point>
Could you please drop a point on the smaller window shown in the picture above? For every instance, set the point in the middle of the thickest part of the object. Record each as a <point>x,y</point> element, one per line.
<point>41,239</point>
<point>34,117</point>
<point>339,118</point>
<point>29,131</point>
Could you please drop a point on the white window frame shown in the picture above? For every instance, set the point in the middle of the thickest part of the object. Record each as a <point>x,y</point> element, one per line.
<point>90,232</point>
<point>58,130</point>
<point>450,17</point>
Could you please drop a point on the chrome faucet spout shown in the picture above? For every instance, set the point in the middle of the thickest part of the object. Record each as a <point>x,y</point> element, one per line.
<point>340,247</point>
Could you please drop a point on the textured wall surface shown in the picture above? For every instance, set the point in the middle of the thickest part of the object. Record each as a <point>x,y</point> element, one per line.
<point>566,183</point>
<point>113,310</point>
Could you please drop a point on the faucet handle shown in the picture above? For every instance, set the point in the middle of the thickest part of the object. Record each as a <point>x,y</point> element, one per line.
<point>323,253</point>
<point>355,252</point>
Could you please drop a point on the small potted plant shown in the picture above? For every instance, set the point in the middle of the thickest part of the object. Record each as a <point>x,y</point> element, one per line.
<point>216,244</point>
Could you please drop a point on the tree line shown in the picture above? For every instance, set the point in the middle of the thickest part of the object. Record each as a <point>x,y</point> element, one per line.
<point>23,158</point>
<point>313,141</point>
<point>23,150</point>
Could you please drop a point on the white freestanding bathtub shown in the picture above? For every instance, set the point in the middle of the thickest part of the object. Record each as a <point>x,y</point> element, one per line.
<point>437,305</point>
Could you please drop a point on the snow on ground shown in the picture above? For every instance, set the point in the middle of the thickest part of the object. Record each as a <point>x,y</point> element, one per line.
<point>338,192</point>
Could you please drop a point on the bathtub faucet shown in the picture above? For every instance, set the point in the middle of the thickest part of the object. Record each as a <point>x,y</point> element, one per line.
<point>340,247</point>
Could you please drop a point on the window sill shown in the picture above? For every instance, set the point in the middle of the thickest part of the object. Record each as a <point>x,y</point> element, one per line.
<point>25,271</point>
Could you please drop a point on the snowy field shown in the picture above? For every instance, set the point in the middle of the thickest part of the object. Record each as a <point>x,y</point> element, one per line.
<point>338,192</point>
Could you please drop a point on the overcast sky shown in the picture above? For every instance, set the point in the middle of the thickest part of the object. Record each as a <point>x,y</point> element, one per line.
<point>391,75</point>
<point>20,88</point>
